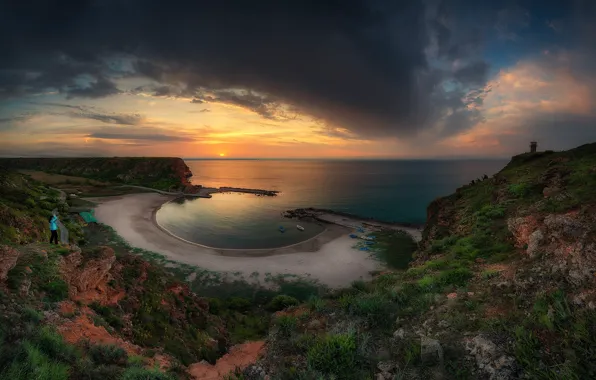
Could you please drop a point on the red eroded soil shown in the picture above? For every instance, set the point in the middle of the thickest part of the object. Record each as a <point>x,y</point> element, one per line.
<point>82,327</point>
<point>240,356</point>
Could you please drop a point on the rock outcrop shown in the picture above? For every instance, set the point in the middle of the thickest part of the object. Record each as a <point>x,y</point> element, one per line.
<point>85,275</point>
<point>8,260</point>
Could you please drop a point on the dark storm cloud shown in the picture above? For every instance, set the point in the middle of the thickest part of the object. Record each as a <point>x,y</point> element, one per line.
<point>356,64</point>
<point>86,112</point>
<point>265,106</point>
<point>510,21</point>
<point>134,136</point>
<point>99,89</point>
<point>474,73</point>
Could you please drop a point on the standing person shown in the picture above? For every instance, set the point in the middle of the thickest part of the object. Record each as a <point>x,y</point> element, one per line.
<point>54,229</point>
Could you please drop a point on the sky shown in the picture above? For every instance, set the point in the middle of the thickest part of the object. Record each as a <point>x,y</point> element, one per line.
<point>296,78</point>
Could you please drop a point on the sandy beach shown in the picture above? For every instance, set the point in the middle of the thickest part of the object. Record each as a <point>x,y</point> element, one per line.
<point>328,257</point>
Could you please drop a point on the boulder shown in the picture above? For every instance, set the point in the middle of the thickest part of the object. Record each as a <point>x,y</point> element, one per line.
<point>83,276</point>
<point>491,360</point>
<point>534,241</point>
<point>399,333</point>
<point>8,260</point>
<point>430,350</point>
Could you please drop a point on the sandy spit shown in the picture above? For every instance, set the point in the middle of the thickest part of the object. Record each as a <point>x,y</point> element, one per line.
<point>329,257</point>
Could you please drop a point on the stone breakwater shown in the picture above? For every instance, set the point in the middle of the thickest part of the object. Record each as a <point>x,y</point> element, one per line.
<point>269,193</point>
<point>348,220</point>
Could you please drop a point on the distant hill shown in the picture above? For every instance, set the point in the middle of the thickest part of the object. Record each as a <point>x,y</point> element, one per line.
<point>163,173</point>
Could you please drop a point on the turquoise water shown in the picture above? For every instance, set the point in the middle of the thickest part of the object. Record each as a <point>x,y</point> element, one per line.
<point>397,191</point>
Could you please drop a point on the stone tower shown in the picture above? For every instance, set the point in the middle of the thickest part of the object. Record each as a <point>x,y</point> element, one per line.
<point>533,146</point>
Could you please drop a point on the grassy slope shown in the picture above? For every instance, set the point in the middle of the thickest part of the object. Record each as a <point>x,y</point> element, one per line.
<point>467,253</point>
<point>162,321</point>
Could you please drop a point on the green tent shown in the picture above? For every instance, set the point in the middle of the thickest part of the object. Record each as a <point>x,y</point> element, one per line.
<point>88,217</point>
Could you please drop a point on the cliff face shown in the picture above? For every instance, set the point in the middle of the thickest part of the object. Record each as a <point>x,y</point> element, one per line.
<point>164,173</point>
<point>501,287</point>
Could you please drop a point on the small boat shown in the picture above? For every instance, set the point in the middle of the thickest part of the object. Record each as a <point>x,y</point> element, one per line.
<point>282,229</point>
<point>300,227</point>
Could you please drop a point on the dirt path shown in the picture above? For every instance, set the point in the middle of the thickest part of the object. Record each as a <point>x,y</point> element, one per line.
<point>330,257</point>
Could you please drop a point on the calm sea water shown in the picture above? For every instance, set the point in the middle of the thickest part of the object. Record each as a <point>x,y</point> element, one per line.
<point>386,190</point>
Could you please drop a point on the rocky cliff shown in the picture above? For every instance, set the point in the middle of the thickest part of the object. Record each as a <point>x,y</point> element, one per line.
<point>501,287</point>
<point>164,173</point>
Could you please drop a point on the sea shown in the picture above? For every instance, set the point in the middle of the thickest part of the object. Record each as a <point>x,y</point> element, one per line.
<point>390,190</point>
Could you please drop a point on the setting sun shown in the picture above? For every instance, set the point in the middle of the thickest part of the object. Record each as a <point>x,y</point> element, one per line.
<point>222,155</point>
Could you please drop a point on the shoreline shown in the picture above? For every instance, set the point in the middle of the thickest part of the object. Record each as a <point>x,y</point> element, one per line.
<point>309,244</point>
<point>329,258</point>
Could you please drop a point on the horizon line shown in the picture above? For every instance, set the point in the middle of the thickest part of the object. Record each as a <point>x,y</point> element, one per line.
<point>340,158</point>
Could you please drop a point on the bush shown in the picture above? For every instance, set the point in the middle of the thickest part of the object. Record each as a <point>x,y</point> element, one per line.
<point>137,373</point>
<point>52,344</point>
<point>316,303</point>
<point>56,290</point>
<point>281,302</point>
<point>31,363</point>
<point>32,315</point>
<point>519,190</point>
<point>215,306</point>
<point>427,282</point>
<point>239,304</point>
<point>334,355</point>
<point>374,307</point>
<point>286,324</point>
<point>455,277</point>
<point>108,354</point>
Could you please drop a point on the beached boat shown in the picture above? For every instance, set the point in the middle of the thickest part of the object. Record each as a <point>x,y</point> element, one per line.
<point>300,227</point>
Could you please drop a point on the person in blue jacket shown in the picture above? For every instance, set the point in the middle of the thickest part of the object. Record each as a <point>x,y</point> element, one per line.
<point>54,229</point>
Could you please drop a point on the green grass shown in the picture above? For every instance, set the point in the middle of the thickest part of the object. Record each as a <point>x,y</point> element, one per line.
<point>286,324</point>
<point>335,355</point>
<point>108,355</point>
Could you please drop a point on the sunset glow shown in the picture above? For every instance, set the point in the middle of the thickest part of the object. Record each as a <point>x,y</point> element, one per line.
<point>369,98</point>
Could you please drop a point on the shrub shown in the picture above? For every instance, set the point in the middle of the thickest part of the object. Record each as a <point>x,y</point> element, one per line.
<point>281,301</point>
<point>215,306</point>
<point>488,274</point>
<point>286,324</point>
<point>316,303</point>
<point>374,307</point>
<point>359,285</point>
<point>56,290</point>
<point>334,355</point>
<point>88,370</point>
<point>427,282</point>
<point>137,373</point>
<point>239,304</point>
<point>52,344</point>
<point>136,361</point>
<point>108,354</point>
<point>455,277</point>
<point>31,363</point>
<point>519,190</point>
<point>31,315</point>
